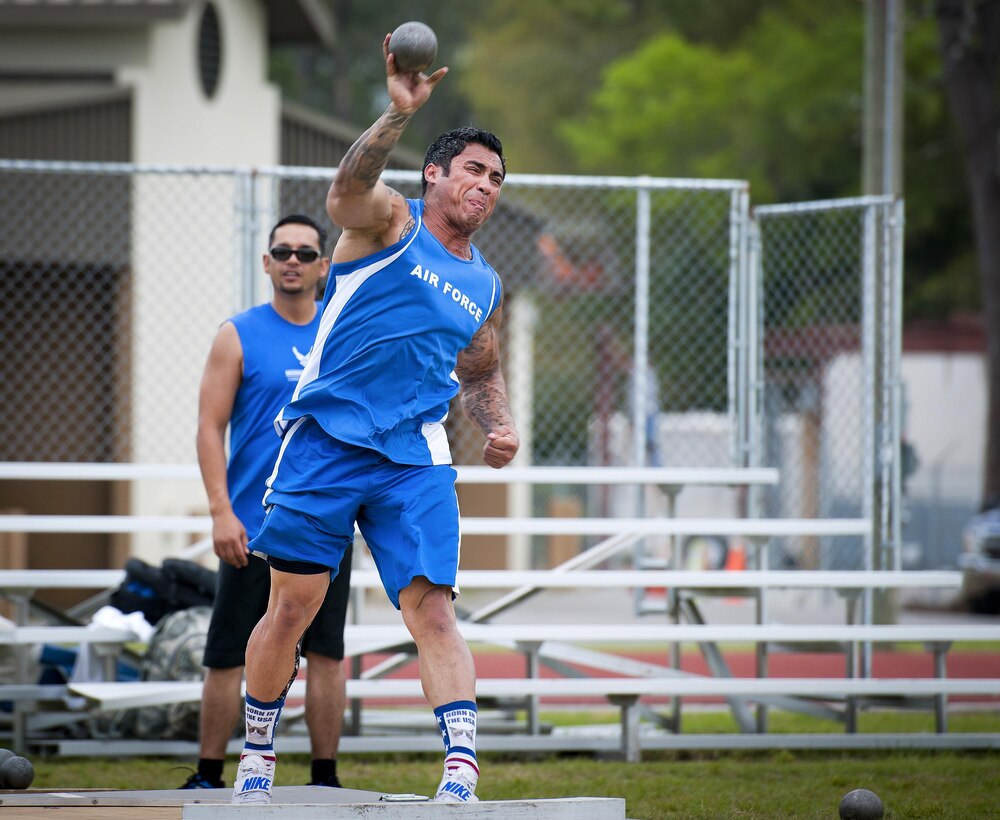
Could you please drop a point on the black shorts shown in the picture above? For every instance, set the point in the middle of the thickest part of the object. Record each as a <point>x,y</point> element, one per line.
<point>241,601</point>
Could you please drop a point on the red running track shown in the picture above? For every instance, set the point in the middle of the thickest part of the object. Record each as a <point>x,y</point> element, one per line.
<point>885,664</point>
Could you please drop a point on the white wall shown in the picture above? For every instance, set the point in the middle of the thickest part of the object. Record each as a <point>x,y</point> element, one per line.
<point>185,252</point>
<point>174,121</point>
<point>945,419</point>
<point>179,264</point>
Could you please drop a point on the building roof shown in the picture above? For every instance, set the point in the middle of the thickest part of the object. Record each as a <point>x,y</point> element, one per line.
<point>288,21</point>
<point>62,13</point>
<point>958,333</point>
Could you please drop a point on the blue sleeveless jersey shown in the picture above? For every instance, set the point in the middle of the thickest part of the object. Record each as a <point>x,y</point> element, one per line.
<point>381,374</point>
<point>274,352</point>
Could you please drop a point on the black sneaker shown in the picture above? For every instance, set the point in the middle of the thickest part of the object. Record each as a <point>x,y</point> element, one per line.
<point>331,781</point>
<point>196,781</point>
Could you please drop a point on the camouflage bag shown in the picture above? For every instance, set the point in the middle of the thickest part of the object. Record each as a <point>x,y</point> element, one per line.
<point>174,653</point>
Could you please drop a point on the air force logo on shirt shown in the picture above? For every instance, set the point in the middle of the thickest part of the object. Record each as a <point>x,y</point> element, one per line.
<point>293,373</point>
<point>447,289</point>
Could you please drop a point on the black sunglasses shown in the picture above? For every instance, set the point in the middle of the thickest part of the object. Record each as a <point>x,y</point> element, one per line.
<point>304,255</point>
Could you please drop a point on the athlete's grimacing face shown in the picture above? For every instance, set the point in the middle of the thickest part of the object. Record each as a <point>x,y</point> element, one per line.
<point>293,275</point>
<point>469,191</point>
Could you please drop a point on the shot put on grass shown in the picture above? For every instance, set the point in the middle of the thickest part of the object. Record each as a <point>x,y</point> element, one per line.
<point>861,804</point>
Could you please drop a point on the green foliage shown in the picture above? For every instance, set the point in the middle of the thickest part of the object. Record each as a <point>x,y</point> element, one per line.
<point>633,128</point>
<point>779,103</point>
<point>776,110</point>
<point>532,64</point>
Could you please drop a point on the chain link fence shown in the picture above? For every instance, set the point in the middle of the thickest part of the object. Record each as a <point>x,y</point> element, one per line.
<point>116,277</point>
<point>114,282</point>
<point>828,313</point>
<point>638,329</point>
<point>591,348</point>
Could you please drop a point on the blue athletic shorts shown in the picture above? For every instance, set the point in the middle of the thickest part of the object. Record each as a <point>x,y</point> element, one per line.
<point>321,487</point>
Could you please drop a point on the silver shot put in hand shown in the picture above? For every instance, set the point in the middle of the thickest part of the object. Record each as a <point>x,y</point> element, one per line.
<point>414,46</point>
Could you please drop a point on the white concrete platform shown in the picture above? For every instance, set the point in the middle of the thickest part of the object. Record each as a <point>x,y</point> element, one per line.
<point>569,808</point>
<point>293,803</point>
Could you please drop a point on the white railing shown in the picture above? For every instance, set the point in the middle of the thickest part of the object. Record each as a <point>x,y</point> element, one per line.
<point>547,640</point>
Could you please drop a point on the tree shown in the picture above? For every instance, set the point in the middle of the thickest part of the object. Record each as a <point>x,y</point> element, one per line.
<point>772,107</point>
<point>778,102</point>
<point>530,65</point>
<point>970,49</point>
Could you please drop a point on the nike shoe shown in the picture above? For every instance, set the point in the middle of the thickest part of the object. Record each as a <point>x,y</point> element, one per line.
<point>197,781</point>
<point>457,787</point>
<point>254,779</point>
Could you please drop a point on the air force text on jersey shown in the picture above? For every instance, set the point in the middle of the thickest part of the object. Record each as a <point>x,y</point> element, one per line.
<point>447,289</point>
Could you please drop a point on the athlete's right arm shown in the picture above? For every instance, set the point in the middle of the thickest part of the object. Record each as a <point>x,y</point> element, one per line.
<point>358,200</point>
<point>371,214</point>
<point>219,384</point>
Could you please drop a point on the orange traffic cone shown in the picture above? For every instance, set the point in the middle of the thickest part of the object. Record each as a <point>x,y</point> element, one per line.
<point>736,558</point>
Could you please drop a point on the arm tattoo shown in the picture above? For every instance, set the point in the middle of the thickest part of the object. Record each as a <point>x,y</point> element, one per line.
<point>484,391</point>
<point>408,227</point>
<point>485,402</point>
<point>366,159</point>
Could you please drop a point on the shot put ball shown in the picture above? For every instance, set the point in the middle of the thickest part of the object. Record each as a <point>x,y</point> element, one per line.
<point>16,772</point>
<point>415,46</point>
<point>861,804</point>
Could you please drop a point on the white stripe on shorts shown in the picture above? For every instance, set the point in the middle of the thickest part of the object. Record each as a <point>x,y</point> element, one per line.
<point>281,451</point>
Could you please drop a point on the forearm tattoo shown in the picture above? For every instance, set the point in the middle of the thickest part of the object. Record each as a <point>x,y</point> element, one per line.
<point>485,402</point>
<point>484,391</point>
<point>365,161</point>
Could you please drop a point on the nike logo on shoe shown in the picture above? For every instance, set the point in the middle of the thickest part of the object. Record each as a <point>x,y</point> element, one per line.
<point>457,789</point>
<point>256,784</point>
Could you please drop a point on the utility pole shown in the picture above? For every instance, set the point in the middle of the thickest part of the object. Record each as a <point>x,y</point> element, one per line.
<point>882,174</point>
<point>882,149</point>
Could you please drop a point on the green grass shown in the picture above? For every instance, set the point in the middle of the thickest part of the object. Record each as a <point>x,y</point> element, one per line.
<point>720,785</point>
<point>785,784</point>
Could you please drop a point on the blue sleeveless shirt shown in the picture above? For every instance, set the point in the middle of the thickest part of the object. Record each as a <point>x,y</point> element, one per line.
<point>382,372</point>
<point>274,351</point>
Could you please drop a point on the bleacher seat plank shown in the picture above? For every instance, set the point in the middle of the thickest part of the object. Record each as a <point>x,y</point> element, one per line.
<point>112,696</point>
<point>34,579</point>
<point>24,635</point>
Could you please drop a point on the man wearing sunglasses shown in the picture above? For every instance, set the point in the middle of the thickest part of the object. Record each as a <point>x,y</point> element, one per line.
<point>411,318</point>
<point>254,363</point>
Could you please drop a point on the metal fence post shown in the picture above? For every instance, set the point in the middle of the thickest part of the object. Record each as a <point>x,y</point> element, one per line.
<point>246,238</point>
<point>640,354</point>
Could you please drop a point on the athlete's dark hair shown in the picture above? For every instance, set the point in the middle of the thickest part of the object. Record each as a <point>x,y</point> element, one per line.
<point>448,146</point>
<point>299,219</point>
